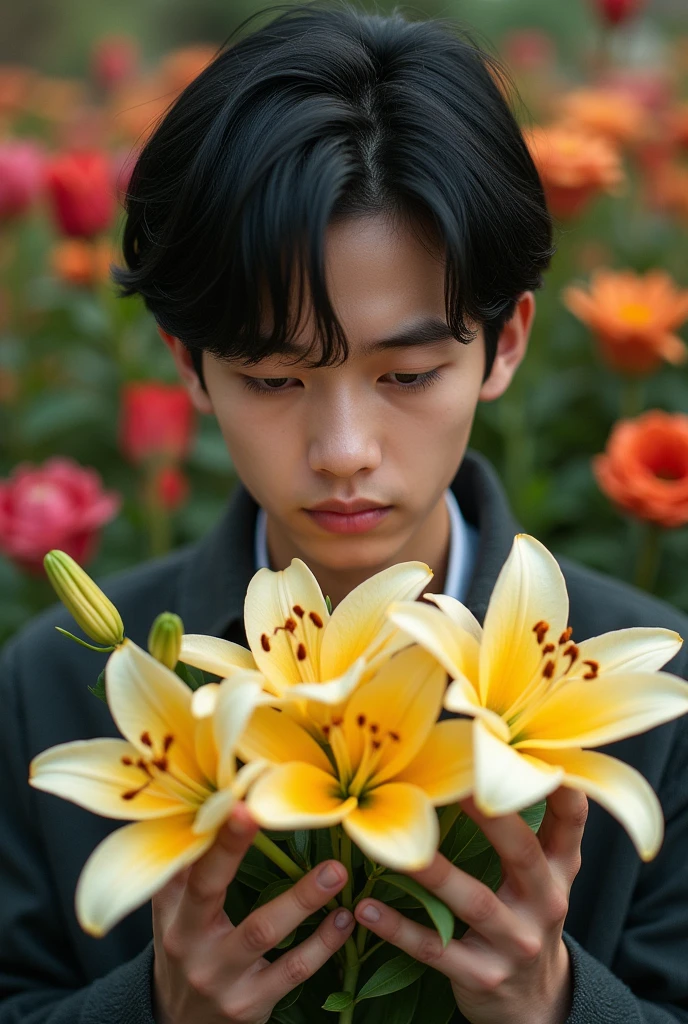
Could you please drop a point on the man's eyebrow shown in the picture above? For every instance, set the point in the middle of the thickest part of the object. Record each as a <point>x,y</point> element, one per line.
<point>427,330</point>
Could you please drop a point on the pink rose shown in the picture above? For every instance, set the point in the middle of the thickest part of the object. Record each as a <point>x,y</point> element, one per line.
<point>57,505</point>
<point>21,177</point>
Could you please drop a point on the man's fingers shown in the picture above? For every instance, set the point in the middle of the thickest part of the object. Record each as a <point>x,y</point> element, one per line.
<point>265,927</point>
<point>562,829</point>
<point>304,960</point>
<point>206,884</point>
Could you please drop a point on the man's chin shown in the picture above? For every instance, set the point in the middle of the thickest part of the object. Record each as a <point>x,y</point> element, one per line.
<point>352,554</point>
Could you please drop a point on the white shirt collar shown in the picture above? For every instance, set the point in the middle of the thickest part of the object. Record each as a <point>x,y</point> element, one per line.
<point>463,544</point>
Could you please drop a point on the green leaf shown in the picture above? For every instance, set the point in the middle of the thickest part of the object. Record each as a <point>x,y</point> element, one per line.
<point>328,602</point>
<point>288,1000</point>
<point>533,815</point>
<point>398,973</point>
<point>465,840</point>
<point>436,991</point>
<point>486,867</point>
<point>440,914</point>
<point>255,877</point>
<point>286,941</point>
<point>400,1007</point>
<point>299,844</point>
<point>338,1001</point>
<point>271,891</point>
<point>99,689</point>
<point>193,677</point>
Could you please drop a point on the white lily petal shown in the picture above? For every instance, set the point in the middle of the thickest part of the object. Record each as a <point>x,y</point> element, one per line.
<point>335,692</point>
<point>212,654</point>
<point>619,788</point>
<point>214,812</point>
<point>237,700</point>
<point>132,864</point>
<point>204,700</point>
<point>458,613</point>
<point>505,781</point>
<point>457,650</point>
<point>638,649</point>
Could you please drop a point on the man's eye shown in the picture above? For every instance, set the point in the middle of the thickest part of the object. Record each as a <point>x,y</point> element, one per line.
<point>264,385</point>
<point>414,381</point>
<point>275,382</point>
<point>406,378</point>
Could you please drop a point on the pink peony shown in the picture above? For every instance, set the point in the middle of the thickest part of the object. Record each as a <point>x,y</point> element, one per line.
<point>57,505</point>
<point>21,177</point>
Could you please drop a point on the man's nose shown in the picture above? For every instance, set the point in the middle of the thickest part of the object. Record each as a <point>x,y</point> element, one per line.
<point>343,438</point>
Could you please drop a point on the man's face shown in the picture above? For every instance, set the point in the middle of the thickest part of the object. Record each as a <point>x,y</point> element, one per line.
<point>379,437</point>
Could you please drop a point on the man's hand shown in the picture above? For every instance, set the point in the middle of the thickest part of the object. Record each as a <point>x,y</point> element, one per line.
<point>511,966</point>
<point>209,972</point>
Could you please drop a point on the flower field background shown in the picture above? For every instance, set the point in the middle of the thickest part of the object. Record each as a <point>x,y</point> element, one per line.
<point>100,453</point>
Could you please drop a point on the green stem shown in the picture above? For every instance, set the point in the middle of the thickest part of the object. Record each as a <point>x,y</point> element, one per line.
<point>334,840</point>
<point>647,565</point>
<point>448,816</point>
<point>353,966</point>
<point>369,952</point>
<point>345,857</point>
<point>632,397</point>
<point>277,856</point>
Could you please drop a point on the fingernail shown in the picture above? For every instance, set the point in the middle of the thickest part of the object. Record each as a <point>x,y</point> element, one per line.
<point>370,913</point>
<point>342,920</point>
<point>329,877</point>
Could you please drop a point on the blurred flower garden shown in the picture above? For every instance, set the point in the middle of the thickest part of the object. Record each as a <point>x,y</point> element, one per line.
<point>100,452</point>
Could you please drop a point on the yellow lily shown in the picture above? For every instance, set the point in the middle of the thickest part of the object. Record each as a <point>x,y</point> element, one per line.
<point>538,700</point>
<point>174,773</point>
<point>303,652</point>
<point>387,763</point>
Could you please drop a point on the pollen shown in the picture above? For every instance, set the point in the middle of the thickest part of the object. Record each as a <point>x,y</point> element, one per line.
<point>290,625</point>
<point>361,720</point>
<point>374,728</point>
<point>548,648</point>
<point>548,670</point>
<point>298,610</point>
<point>571,652</point>
<point>160,763</point>
<point>145,739</point>
<point>594,669</point>
<point>566,636</point>
<point>315,619</point>
<point>265,642</point>
<point>376,744</point>
<point>127,761</point>
<point>167,743</point>
<point>541,629</point>
<point>337,720</point>
<point>301,652</point>
<point>395,736</point>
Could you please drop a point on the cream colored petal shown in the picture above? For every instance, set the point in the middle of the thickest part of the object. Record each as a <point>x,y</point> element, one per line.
<point>590,713</point>
<point>395,826</point>
<point>619,788</point>
<point>359,626</point>
<point>204,700</point>
<point>458,613</point>
<point>214,812</point>
<point>274,736</point>
<point>148,701</point>
<point>443,768</point>
<point>238,698</point>
<point>298,795</point>
<point>276,600</point>
<point>505,781</point>
<point>456,649</point>
<point>212,654</point>
<point>530,590</point>
<point>93,774</point>
<point>132,864</point>
<point>388,720</point>
<point>337,691</point>
<point>461,698</point>
<point>638,649</point>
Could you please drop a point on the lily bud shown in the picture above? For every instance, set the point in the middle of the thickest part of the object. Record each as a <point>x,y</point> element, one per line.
<point>165,639</point>
<point>93,611</point>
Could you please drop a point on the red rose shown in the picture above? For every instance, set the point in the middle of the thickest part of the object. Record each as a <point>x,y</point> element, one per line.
<point>616,11</point>
<point>21,177</point>
<point>171,487</point>
<point>82,193</point>
<point>58,505</point>
<point>156,422</point>
<point>114,60</point>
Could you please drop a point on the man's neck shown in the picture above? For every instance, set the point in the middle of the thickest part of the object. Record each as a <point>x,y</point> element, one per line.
<point>429,544</point>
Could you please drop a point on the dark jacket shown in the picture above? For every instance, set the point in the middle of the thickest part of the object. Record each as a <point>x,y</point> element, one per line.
<point>627,927</point>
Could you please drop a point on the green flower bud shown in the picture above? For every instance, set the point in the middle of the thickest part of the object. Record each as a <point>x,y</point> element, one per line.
<point>165,639</point>
<point>93,611</point>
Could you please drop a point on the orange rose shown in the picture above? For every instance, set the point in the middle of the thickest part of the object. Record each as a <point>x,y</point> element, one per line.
<point>633,317</point>
<point>574,165</point>
<point>82,263</point>
<point>609,112</point>
<point>644,469</point>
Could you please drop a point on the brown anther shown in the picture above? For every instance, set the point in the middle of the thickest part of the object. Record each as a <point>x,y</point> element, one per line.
<point>315,619</point>
<point>361,720</point>
<point>298,610</point>
<point>167,743</point>
<point>571,652</point>
<point>594,669</point>
<point>337,720</point>
<point>130,794</point>
<point>394,736</point>
<point>144,767</point>
<point>548,670</point>
<point>374,728</point>
<point>326,731</point>
<point>566,635</point>
<point>161,763</point>
<point>540,629</point>
<point>127,761</point>
<point>265,642</point>
<point>145,738</point>
<point>376,744</point>
<point>290,625</point>
<point>548,648</point>
<point>301,652</point>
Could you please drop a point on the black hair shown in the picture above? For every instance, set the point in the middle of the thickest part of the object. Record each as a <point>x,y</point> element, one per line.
<point>328,112</point>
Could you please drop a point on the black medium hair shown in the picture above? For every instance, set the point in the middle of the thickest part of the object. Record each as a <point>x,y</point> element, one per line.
<point>329,112</point>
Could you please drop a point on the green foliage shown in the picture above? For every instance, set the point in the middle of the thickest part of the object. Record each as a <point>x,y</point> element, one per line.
<point>439,914</point>
<point>395,974</point>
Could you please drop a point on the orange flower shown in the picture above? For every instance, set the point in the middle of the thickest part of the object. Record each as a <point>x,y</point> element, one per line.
<point>181,66</point>
<point>678,124</point>
<point>667,188</point>
<point>633,317</point>
<point>574,165</point>
<point>81,263</point>
<point>609,112</point>
<point>645,467</point>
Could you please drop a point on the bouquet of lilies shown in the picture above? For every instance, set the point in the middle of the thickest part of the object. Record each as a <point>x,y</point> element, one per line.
<point>344,731</point>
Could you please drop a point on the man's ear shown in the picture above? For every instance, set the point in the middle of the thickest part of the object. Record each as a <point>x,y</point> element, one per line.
<point>187,373</point>
<point>511,348</point>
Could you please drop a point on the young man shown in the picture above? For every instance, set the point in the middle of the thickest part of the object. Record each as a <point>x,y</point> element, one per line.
<point>339,231</point>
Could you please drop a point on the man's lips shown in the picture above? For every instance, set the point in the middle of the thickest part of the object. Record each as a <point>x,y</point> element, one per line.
<point>356,516</point>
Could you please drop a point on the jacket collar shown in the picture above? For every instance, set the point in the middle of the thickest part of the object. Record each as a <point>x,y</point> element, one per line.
<point>215,577</point>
